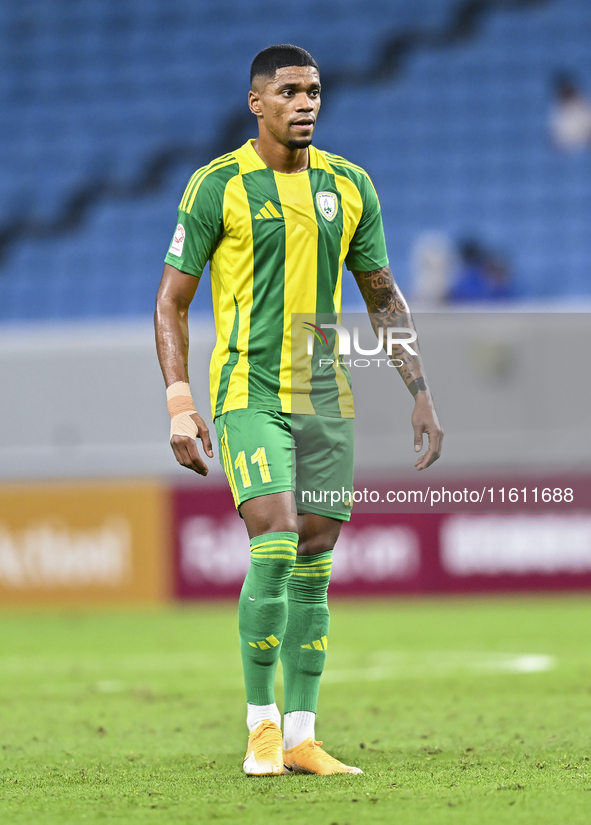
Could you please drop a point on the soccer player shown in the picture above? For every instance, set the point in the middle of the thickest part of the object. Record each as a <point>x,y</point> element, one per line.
<point>277,219</point>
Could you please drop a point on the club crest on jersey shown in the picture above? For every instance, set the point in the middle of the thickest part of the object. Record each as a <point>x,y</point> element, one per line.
<point>176,247</point>
<point>328,204</point>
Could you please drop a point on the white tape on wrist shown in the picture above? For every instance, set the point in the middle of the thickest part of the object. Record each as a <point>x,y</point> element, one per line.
<point>183,424</point>
<point>180,408</point>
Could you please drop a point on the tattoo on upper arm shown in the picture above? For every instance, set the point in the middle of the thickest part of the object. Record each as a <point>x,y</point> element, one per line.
<point>380,292</point>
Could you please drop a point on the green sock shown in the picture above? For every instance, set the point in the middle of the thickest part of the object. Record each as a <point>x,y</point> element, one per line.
<point>262,612</point>
<point>303,652</point>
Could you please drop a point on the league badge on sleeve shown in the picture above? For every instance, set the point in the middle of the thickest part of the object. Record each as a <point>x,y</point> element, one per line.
<point>176,247</point>
<point>328,204</point>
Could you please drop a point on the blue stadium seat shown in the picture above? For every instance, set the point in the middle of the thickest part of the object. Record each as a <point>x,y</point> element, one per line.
<point>92,92</point>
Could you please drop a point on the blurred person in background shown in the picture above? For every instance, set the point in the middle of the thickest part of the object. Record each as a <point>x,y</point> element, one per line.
<point>570,117</point>
<point>434,262</point>
<point>482,276</point>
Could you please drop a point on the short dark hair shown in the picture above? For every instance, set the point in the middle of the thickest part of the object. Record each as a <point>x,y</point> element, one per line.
<point>272,58</point>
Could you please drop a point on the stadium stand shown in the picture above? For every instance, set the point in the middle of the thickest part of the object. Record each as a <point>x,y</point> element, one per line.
<point>107,107</point>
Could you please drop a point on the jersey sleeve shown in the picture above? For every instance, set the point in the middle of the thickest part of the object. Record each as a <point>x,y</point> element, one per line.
<point>367,250</point>
<point>199,226</point>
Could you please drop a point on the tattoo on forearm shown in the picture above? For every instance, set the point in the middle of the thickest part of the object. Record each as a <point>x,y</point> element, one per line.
<point>388,308</point>
<point>417,385</point>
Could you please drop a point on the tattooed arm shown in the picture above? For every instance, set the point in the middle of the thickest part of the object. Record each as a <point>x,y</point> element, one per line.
<point>388,309</point>
<point>171,322</point>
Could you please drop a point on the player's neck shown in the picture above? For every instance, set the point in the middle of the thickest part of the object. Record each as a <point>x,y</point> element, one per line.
<point>281,158</point>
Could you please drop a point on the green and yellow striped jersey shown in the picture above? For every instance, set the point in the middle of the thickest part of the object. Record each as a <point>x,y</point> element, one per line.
<point>276,245</point>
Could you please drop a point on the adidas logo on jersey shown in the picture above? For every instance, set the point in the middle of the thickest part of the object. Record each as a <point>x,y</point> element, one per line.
<point>268,211</point>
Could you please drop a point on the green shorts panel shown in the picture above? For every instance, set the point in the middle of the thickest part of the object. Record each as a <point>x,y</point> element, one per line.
<point>266,451</point>
<point>255,451</point>
<point>324,465</point>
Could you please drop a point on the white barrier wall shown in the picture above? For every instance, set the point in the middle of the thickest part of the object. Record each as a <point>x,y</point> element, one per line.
<point>512,390</point>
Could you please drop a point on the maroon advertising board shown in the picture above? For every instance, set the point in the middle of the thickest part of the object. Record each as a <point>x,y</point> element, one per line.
<point>515,546</point>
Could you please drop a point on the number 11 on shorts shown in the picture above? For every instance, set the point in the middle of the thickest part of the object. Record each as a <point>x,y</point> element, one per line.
<point>258,457</point>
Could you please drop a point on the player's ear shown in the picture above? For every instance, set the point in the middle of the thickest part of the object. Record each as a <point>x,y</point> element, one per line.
<point>254,102</point>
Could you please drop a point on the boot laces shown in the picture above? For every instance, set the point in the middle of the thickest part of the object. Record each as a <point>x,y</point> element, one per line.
<point>264,742</point>
<point>323,755</point>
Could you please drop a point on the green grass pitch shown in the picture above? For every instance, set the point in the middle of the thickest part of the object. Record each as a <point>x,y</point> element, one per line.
<point>459,711</point>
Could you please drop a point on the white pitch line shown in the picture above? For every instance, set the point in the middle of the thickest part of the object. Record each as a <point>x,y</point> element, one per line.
<point>156,662</point>
<point>441,664</point>
<point>110,686</point>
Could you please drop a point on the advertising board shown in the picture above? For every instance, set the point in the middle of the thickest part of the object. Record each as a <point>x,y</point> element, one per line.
<point>83,543</point>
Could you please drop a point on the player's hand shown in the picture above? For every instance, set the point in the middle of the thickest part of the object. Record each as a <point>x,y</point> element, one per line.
<point>185,448</point>
<point>424,420</point>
